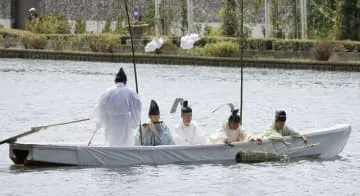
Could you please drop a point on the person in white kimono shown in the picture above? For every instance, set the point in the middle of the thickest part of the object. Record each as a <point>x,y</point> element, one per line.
<point>278,129</point>
<point>187,131</point>
<point>119,112</point>
<point>232,131</point>
<point>155,132</point>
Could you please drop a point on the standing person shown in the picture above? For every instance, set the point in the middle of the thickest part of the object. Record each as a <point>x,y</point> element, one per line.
<point>155,132</point>
<point>32,14</point>
<point>187,131</point>
<point>119,112</point>
<point>136,14</point>
<point>278,129</point>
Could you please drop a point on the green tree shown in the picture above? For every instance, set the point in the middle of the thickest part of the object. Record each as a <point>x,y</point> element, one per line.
<point>348,20</point>
<point>321,18</point>
<point>231,26</point>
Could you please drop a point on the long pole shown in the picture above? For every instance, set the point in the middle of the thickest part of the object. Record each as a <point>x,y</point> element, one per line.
<point>37,129</point>
<point>133,59</point>
<point>132,45</point>
<point>241,56</point>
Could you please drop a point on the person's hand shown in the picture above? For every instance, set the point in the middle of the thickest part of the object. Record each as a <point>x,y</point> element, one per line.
<point>228,142</point>
<point>153,130</point>
<point>258,141</point>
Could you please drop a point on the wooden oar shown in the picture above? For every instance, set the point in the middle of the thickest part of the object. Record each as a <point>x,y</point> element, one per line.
<point>36,129</point>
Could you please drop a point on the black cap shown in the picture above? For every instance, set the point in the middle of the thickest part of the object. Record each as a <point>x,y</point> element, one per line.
<point>280,115</point>
<point>121,76</point>
<point>234,117</point>
<point>185,107</point>
<point>154,108</point>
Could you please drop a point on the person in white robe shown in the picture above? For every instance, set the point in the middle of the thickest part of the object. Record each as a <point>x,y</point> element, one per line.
<point>232,131</point>
<point>278,129</point>
<point>187,132</point>
<point>118,112</point>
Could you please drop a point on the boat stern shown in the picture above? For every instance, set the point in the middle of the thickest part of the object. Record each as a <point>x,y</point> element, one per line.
<point>29,155</point>
<point>19,153</point>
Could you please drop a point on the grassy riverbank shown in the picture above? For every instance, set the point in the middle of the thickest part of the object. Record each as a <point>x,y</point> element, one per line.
<point>213,51</point>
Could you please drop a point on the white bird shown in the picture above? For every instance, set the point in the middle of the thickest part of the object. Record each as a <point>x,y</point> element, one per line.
<point>188,41</point>
<point>155,43</point>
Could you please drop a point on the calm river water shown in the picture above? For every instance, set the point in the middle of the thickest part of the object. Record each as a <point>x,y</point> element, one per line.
<point>35,93</point>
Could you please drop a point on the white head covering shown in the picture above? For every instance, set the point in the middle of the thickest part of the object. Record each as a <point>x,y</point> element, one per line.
<point>32,9</point>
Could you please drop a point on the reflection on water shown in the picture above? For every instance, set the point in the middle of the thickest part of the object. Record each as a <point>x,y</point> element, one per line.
<point>35,93</point>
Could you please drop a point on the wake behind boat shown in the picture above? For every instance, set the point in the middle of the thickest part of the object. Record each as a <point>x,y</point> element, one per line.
<point>323,143</point>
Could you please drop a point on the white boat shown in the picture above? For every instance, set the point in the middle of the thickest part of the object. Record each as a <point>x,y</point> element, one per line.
<point>323,143</point>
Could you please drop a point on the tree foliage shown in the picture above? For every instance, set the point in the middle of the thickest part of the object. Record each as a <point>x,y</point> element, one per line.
<point>230,27</point>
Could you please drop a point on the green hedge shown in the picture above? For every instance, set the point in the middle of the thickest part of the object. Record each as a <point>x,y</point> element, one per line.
<point>280,44</point>
<point>109,42</point>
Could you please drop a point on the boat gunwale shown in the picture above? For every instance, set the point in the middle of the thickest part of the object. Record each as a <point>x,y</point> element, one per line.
<point>334,129</point>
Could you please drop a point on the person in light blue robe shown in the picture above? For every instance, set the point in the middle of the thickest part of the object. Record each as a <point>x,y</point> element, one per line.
<point>155,132</point>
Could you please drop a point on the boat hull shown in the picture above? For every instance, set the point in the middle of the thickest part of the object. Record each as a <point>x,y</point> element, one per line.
<point>325,143</point>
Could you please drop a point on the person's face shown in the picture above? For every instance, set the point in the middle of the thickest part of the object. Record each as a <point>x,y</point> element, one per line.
<point>279,124</point>
<point>234,125</point>
<point>187,117</point>
<point>154,118</point>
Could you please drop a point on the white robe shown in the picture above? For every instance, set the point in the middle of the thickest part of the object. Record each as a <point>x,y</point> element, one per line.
<point>188,135</point>
<point>119,112</point>
<point>225,132</point>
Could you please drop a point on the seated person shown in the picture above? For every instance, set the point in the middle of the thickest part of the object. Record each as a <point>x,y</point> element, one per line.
<point>155,132</point>
<point>231,131</point>
<point>278,129</point>
<point>187,132</point>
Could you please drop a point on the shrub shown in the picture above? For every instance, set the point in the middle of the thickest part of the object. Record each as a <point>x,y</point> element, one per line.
<point>12,37</point>
<point>219,49</point>
<point>80,26</point>
<point>53,24</point>
<point>351,46</point>
<point>107,26</point>
<point>1,26</point>
<point>211,31</point>
<point>323,50</point>
<point>104,43</point>
<point>35,42</point>
<point>79,42</point>
<point>10,41</point>
<point>119,29</point>
<point>58,42</point>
